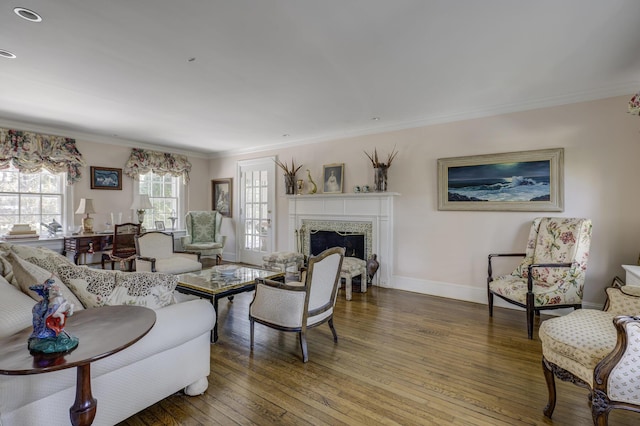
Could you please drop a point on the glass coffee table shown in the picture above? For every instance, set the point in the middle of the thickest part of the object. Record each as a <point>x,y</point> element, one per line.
<point>223,281</point>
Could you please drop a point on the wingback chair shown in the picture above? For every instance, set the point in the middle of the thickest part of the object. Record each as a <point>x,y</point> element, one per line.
<point>297,306</point>
<point>597,350</point>
<point>552,273</point>
<point>155,253</point>
<point>203,234</point>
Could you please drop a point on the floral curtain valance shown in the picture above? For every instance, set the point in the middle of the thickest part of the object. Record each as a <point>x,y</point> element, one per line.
<point>31,152</point>
<point>144,161</point>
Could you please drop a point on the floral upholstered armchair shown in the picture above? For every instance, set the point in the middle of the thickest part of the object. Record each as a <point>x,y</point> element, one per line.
<point>203,234</point>
<point>552,273</point>
<point>597,350</point>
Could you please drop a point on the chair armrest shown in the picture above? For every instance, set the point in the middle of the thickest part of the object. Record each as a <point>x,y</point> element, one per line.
<point>188,254</point>
<point>543,265</point>
<point>491,256</point>
<point>222,239</point>
<point>185,240</point>
<point>280,285</point>
<point>147,264</point>
<point>621,362</point>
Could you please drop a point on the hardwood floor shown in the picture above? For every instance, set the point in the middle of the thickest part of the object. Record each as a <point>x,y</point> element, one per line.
<point>401,359</point>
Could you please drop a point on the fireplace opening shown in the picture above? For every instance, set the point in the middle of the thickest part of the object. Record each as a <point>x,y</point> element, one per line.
<point>353,244</point>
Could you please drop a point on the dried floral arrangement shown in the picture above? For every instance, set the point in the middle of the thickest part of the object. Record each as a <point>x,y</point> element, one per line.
<point>285,167</point>
<point>376,162</point>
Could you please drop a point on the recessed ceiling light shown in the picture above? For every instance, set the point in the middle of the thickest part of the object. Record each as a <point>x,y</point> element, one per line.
<point>7,54</point>
<point>27,14</point>
<point>192,59</point>
<point>375,118</point>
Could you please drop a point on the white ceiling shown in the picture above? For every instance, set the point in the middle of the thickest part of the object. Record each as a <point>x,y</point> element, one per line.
<point>310,69</point>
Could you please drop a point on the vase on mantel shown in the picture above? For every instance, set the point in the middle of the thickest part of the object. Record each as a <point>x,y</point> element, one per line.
<point>290,183</point>
<point>380,178</point>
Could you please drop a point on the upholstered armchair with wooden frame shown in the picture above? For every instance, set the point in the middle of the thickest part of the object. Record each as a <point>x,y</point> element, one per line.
<point>203,234</point>
<point>552,273</point>
<point>597,350</point>
<point>123,246</point>
<point>156,253</point>
<point>298,306</point>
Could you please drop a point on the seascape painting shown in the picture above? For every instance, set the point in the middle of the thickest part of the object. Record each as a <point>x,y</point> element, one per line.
<point>525,181</point>
<point>518,181</point>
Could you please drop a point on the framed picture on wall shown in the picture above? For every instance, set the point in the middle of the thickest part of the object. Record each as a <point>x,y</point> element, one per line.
<point>222,196</point>
<point>513,181</point>
<point>332,178</point>
<point>106,178</point>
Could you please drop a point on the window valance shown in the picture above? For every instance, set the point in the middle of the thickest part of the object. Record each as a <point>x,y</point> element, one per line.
<point>31,152</point>
<point>144,161</point>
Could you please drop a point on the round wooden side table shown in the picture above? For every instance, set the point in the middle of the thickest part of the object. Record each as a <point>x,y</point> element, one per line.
<point>102,332</point>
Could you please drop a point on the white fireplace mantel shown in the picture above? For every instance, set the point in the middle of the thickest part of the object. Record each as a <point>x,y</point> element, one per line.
<point>373,207</point>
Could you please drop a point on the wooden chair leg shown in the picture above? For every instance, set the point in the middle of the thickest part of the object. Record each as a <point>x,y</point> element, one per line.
<point>303,346</point>
<point>530,311</point>
<point>333,330</point>
<point>251,324</point>
<point>490,301</point>
<point>551,389</point>
<point>600,408</point>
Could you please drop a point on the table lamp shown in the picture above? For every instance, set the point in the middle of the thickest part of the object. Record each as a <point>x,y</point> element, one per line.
<point>86,207</point>
<point>140,204</point>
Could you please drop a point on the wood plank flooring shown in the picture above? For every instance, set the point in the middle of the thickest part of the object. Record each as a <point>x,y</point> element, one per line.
<point>401,359</point>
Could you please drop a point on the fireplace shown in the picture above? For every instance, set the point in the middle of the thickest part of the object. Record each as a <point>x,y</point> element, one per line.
<point>345,220</point>
<point>319,235</point>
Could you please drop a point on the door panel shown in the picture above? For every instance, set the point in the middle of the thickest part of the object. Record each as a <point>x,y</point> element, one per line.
<point>257,203</point>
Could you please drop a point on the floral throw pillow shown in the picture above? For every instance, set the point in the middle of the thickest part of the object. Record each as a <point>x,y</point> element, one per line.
<point>92,286</point>
<point>27,274</point>
<point>149,289</point>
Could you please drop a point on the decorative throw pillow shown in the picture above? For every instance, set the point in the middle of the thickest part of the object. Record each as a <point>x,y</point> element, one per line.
<point>5,267</point>
<point>624,301</point>
<point>27,274</point>
<point>92,286</point>
<point>44,258</point>
<point>149,289</point>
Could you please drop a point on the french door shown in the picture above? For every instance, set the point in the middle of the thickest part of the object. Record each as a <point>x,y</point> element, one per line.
<point>257,203</point>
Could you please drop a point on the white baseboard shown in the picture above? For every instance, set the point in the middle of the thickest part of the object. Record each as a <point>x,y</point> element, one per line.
<point>463,292</point>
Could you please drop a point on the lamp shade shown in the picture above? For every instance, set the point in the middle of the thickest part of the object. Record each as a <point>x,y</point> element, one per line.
<point>141,202</point>
<point>86,206</point>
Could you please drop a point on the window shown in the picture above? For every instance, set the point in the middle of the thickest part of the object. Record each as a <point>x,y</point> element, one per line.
<point>32,198</point>
<point>164,193</point>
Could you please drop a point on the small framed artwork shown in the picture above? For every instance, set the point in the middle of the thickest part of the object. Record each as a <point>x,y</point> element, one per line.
<point>332,174</point>
<point>159,225</point>
<point>513,181</point>
<point>106,178</point>
<point>222,196</point>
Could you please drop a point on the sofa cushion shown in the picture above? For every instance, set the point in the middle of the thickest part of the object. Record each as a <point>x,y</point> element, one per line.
<point>149,289</point>
<point>27,274</point>
<point>15,309</point>
<point>92,286</point>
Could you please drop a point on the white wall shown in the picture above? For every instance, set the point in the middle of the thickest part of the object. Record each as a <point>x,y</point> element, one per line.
<point>445,252</point>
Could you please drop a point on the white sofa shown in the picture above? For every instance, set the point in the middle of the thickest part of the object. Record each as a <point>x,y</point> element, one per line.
<point>173,356</point>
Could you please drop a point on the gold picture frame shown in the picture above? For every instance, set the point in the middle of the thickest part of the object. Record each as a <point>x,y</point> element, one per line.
<point>512,181</point>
